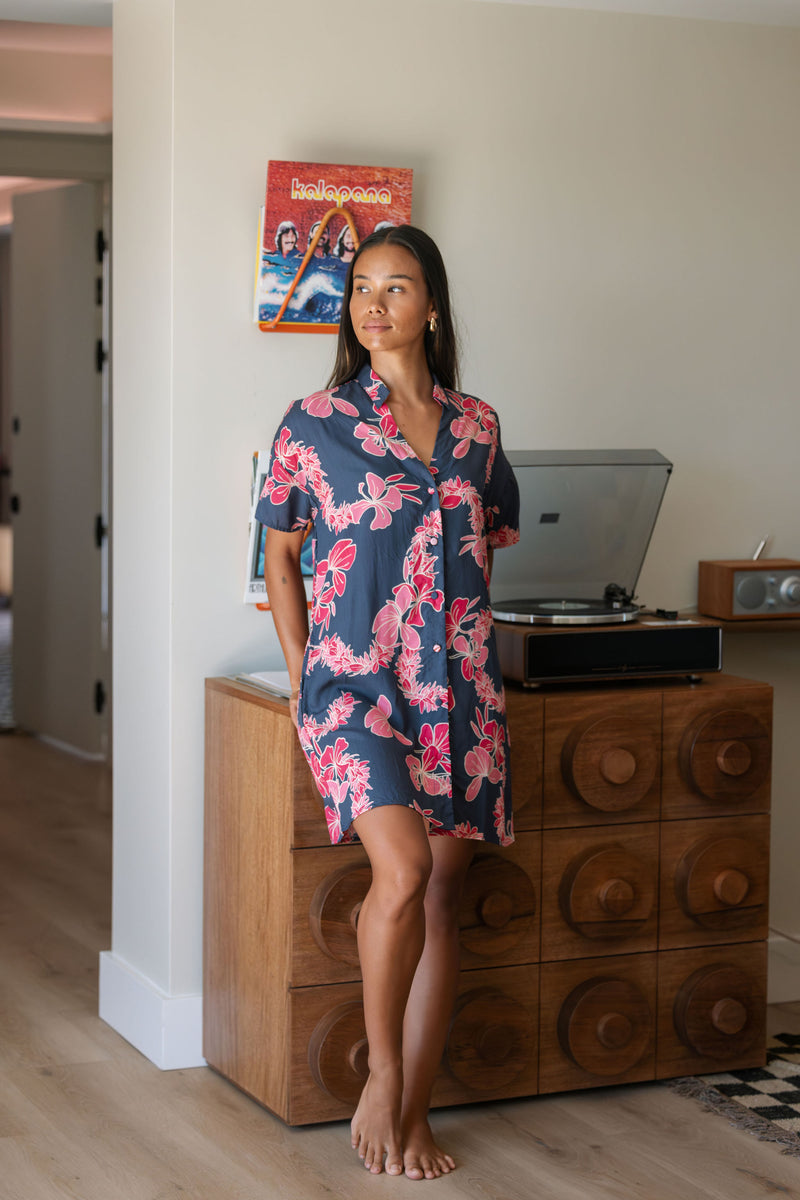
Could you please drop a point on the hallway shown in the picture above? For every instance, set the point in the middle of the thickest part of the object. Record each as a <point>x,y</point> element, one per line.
<point>6,705</point>
<point>85,1116</point>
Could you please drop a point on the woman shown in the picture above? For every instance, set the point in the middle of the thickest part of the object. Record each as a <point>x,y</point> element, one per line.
<point>398,695</point>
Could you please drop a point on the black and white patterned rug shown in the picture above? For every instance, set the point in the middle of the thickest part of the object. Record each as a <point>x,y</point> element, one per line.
<point>765,1101</point>
<point>6,710</point>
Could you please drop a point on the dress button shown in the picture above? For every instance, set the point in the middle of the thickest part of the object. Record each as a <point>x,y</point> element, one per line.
<point>437,647</point>
<point>431,491</point>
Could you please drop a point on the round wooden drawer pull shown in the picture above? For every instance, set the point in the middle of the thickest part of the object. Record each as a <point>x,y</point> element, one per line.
<point>491,1041</point>
<point>729,1016</point>
<point>713,1011</point>
<point>617,897</point>
<point>734,758</point>
<point>618,766</point>
<point>607,892</point>
<point>610,763</point>
<point>496,1043</point>
<point>358,1058</point>
<point>498,906</point>
<point>614,1030</point>
<point>496,909</point>
<point>725,755</point>
<point>721,881</point>
<point>731,887</point>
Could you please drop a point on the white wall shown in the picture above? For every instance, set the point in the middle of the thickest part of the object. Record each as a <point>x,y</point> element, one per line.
<point>616,198</point>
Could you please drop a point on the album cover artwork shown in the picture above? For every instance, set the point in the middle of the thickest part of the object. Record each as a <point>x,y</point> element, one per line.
<point>313,218</point>
<point>255,591</point>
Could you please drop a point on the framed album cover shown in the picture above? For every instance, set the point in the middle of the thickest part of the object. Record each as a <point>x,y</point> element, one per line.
<point>313,219</point>
<point>255,591</point>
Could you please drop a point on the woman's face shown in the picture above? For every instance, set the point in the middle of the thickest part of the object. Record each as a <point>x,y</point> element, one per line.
<point>390,305</point>
<point>347,239</point>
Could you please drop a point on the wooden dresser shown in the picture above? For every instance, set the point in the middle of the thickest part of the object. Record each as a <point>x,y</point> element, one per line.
<point>621,937</point>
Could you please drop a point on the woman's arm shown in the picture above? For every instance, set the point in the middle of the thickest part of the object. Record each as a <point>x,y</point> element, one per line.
<point>287,600</point>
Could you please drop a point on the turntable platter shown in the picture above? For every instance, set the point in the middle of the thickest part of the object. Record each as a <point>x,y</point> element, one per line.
<point>553,611</point>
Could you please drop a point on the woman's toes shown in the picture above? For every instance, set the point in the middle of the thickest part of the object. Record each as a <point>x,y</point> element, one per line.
<point>431,1169</point>
<point>414,1169</point>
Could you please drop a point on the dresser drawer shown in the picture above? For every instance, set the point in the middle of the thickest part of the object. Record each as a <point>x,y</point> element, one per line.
<point>491,1052</point>
<point>601,758</point>
<point>599,891</point>
<point>499,914</point>
<point>714,881</point>
<point>597,1022</point>
<point>717,750</point>
<point>711,1009</point>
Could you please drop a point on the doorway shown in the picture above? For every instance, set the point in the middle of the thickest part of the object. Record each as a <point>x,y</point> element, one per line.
<point>54,339</point>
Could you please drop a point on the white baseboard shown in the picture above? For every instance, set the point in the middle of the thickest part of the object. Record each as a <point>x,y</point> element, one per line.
<point>169,1029</point>
<point>783,959</point>
<point>67,748</point>
<point>166,1029</point>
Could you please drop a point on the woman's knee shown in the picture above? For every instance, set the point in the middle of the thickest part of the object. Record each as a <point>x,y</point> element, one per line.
<point>400,884</point>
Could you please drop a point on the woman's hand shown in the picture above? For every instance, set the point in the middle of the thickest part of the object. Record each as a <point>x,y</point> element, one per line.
<point>293,699</point>
<point>287,600</point>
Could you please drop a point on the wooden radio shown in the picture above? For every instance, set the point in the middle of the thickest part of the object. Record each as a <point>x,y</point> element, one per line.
<point>749,589</point>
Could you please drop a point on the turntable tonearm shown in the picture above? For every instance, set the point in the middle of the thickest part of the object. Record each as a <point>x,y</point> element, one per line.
<point>563,598</point>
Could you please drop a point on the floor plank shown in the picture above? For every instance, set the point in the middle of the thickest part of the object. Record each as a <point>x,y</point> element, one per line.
<point>84,1116</point>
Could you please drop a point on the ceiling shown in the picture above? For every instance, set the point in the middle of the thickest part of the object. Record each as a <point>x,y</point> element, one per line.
<point>761,12</point>
<point>46,35</point>
<point>755,12</point>
<point>52,77</point>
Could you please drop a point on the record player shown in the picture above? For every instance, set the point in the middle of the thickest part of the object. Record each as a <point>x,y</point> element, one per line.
<point>564,598</point>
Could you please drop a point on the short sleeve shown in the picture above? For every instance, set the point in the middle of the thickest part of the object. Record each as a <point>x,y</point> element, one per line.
<point>286,502</point>
<point>501,501</point>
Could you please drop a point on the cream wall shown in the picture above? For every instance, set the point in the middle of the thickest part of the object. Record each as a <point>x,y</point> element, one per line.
<point>616,198</point>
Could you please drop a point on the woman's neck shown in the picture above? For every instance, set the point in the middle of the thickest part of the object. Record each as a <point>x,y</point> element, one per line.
<point>407,376</point>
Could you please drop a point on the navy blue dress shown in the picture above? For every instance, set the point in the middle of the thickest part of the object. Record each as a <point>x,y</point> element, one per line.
<point>402,697</point>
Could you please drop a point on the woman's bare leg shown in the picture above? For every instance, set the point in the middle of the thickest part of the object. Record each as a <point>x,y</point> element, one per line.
<point>391,935</point>
<point>430,1006</point>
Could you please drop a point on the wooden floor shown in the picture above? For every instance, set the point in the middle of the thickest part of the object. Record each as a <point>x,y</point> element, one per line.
<point>84,1115</point>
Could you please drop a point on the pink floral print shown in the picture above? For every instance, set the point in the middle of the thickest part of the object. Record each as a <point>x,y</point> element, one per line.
<point>402,699</point>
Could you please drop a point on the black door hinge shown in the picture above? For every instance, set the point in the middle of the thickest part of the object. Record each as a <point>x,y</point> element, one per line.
<point>98,290</point>
<point>100,355</point>
<point>99,696</point>
<point>100,530</point>
<point>100,245</point>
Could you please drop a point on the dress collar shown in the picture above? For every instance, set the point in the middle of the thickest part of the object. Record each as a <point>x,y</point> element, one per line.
<point>378,392</point>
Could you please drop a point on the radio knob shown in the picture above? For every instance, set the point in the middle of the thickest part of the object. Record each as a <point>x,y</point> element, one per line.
<point>751,591</point>
<point>790,590</point>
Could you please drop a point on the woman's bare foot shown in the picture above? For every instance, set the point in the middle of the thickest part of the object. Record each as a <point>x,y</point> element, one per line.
<point>422,1158</point>
<point>375,1128</point>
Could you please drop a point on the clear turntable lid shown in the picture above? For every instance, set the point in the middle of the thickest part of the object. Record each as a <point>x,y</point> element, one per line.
<point>586,518</point>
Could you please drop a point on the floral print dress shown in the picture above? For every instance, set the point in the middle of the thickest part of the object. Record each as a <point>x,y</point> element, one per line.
<point>402,697</point>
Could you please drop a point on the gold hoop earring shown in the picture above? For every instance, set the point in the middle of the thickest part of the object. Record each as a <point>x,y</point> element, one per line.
<point>432,324</point>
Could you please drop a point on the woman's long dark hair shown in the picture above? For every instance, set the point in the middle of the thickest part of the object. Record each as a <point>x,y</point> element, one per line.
<point>441,349</point>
